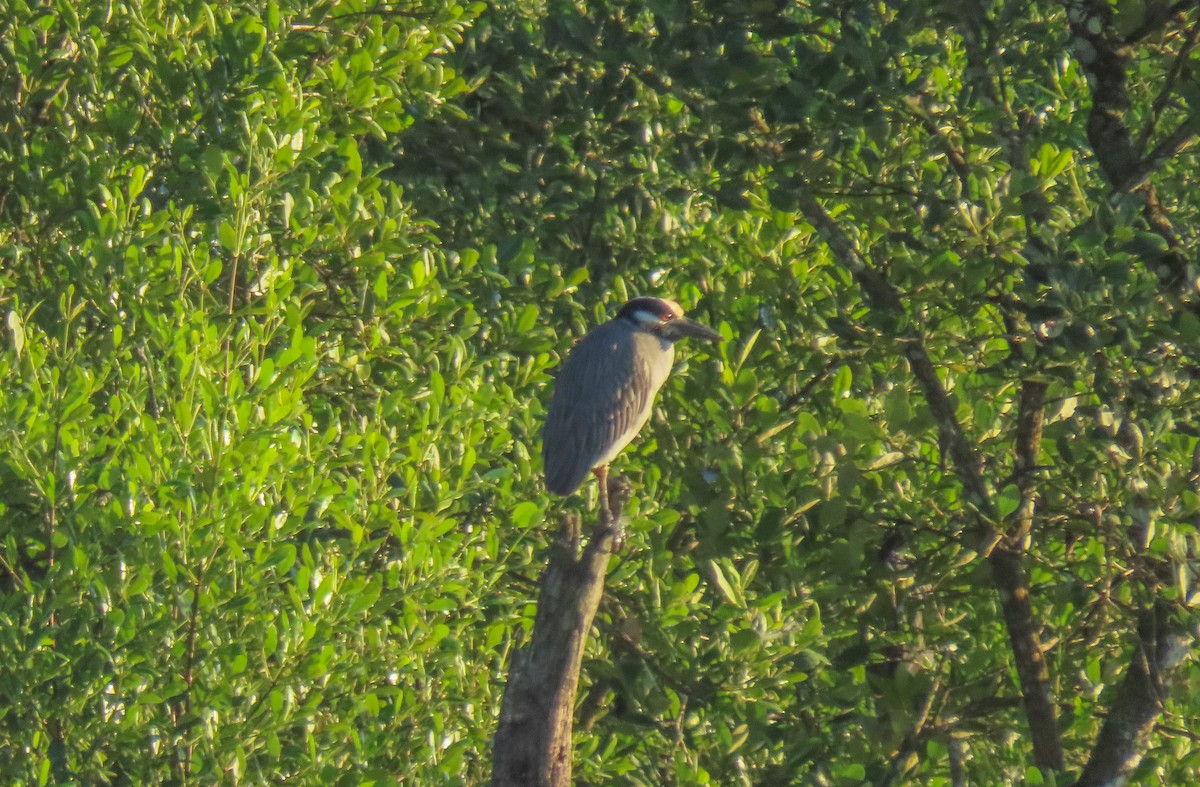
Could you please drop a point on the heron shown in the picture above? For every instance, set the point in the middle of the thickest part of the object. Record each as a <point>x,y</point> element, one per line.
<point>605,392</point>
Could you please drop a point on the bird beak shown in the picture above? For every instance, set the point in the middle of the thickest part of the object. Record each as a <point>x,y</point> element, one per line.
<point>685,327</point>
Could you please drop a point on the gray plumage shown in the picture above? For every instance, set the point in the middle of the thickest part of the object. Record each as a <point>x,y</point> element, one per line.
<point>602,398</point>
<point>605,391</point>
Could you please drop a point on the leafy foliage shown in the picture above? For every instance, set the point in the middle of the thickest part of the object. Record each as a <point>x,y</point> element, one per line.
<point>282,283</point>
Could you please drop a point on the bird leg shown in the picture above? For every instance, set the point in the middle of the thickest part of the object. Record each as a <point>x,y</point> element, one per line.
<point>602,477</point>
<point>608,518</point>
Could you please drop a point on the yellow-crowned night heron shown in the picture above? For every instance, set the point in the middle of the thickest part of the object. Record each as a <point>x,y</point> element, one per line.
<point>605,391</point>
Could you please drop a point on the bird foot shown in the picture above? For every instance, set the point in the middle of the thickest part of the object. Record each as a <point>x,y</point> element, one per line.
<point>619,491</point>
<point>618,534</point>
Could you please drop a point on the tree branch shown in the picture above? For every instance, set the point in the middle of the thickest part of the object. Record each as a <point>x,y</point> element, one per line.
<point>886,299</point>
<point>1104,58</point>
<point>532,746</point>
<point>1031,418</point>
<point>1162,644</point>
<point>976,26</point>
<point>1009,576</point>
<point>1179,140</point>
<point>1164,95</point>
<point>1013,584</point>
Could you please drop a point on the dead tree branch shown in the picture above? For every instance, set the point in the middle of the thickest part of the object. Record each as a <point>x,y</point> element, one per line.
<point>532,746</point>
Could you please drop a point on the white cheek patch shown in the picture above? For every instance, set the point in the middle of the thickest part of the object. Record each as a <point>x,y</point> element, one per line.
<point>646,318</point>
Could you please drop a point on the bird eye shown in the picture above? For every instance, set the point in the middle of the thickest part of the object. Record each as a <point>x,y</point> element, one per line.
<point>667,317</point>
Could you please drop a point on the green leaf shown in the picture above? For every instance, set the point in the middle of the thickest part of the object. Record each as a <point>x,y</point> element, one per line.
<point>527,319</point>
<point>227,234</point>
<point>1130,15</point>
<point>526,514</point>
<point>270,641</point>
<point>832,513</point>
<point>1008,500</point>
<point>17,329</point>
<point>719,580</point>
<point>365,598</point>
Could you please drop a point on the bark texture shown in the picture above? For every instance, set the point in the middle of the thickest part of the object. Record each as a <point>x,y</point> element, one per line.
<point>1162,644</point>
<point>532,746</point>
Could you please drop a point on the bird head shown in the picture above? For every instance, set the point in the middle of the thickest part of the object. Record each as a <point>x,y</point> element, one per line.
<point>664,318</point>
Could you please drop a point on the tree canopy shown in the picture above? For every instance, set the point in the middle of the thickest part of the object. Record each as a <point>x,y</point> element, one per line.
<point>285,283</point>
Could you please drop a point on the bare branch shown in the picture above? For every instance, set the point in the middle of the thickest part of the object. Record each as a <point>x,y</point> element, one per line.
<point>532,746</point>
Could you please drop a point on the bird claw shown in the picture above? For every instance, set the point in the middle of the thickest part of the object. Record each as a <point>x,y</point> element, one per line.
<point>619,490</point>
<point>618,535</point>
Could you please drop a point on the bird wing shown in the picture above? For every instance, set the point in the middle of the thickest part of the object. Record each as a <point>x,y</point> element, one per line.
<point>601,395</point>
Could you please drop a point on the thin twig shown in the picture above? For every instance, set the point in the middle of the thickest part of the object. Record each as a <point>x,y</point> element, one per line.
<point>1157,17</point>
<point>1179,140</point>
<point>1164,95</point>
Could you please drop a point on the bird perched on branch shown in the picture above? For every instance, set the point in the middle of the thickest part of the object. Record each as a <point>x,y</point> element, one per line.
<point>605,391</point>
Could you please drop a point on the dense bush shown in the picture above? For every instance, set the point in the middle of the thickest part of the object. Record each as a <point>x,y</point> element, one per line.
<point>282,283</point>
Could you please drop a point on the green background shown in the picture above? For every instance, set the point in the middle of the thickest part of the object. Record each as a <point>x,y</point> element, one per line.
<point>283,283</point>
